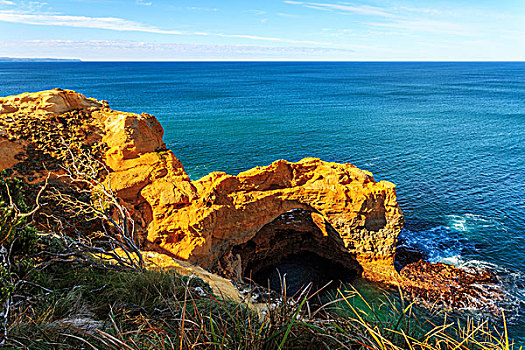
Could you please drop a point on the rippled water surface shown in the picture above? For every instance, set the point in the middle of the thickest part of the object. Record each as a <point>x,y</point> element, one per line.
<point>450,135</point>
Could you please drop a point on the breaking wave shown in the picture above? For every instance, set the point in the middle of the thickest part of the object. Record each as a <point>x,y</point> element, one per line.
<point>454,243</point>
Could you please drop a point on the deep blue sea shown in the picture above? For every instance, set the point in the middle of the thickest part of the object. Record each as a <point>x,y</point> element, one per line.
<point>450,135</point>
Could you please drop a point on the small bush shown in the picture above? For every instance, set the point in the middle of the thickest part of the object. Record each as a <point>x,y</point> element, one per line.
<point>18,240</point>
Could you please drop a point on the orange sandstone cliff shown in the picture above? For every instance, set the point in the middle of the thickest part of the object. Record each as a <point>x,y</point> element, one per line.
<point>231,225</point>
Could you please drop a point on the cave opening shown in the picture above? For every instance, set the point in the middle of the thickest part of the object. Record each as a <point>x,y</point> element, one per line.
<point>300,246</point>
<point>295,272</point>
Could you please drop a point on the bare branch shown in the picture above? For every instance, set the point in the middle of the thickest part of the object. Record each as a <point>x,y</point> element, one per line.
<point>82,171</point>
<point>38,205</point>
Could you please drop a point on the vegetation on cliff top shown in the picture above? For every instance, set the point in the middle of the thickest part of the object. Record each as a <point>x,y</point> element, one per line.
<point>63,287</point>
<point>53,300</point>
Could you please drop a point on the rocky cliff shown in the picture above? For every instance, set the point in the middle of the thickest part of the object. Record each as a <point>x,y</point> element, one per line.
<point>231,225</point>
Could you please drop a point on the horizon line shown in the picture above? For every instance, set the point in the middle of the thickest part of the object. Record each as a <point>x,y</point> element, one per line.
<point>79,60</point>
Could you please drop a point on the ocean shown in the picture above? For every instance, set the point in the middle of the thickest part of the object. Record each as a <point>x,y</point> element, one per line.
<point>451,136</point>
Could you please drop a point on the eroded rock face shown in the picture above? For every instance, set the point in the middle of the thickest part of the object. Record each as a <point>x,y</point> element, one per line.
<point>46,103</point>
<point>204,220</point>
<point>224,223</point>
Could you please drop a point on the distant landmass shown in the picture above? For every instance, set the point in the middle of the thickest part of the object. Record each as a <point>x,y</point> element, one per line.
<point>15,59</point>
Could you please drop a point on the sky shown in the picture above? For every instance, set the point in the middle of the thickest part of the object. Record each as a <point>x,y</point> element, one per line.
<point>318,30</point>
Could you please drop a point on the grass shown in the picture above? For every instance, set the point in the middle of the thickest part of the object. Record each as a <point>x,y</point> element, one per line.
<point>74,307</point>
<point>57,303</point>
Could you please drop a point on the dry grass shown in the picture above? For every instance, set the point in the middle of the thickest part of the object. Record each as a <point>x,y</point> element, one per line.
<point>55,301</point>
<point>86,308</point>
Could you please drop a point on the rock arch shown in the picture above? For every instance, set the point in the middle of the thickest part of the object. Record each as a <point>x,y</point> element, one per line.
<point>293,232</point>
<point>206,221</point>
<point>202,221</point>
<point>213,220</point>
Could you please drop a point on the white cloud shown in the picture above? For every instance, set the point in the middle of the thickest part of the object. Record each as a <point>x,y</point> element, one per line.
<point>6,2</point>
<point>207,9</point>
<point>143,3</point>
<point>421,10</point>
<point>365,10</point>
<point>289,15</point>
<point>428,26</point>
<point>119,24</point>
<point>131,50</point>
<point>111,23</point>
<point>257,12</point>
<point>262,38</point>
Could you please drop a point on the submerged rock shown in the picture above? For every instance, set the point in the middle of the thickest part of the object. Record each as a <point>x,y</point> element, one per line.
<point>233,225</point>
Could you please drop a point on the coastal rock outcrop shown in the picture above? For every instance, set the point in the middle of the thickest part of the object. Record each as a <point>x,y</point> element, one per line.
<point>449,286</point>
<point>231,225</point>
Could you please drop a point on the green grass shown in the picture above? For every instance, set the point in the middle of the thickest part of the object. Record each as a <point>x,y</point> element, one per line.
<point>88,308</point>
<point>57,301</point>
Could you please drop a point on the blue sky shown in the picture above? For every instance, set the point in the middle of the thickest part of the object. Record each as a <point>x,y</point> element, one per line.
<point>264,29</point>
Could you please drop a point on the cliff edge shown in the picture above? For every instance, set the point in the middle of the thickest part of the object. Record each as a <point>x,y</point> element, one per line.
<point>230,225</point>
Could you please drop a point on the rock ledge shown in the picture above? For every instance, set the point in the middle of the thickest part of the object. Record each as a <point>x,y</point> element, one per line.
<point>231,225</point>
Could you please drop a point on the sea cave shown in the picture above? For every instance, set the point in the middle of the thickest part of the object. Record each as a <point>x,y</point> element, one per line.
<point>293,248</point>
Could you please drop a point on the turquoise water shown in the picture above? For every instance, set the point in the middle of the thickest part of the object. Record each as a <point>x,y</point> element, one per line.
<point>450,135</point>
